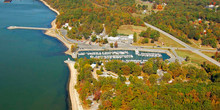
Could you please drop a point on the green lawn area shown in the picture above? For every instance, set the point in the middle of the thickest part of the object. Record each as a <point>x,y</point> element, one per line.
<point>194,57</point>
<point>210,54</point>
<point>197,44</point>
<point>168,42</point>
<point>130,29</point>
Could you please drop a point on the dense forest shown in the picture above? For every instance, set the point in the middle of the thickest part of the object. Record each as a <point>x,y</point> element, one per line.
<point>86,16</point>
<point>181,18</point>
<point>185,19</point>
<point>193,87</point>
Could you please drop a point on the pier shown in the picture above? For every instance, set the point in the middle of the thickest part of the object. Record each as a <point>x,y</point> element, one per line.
<point>32,28</point>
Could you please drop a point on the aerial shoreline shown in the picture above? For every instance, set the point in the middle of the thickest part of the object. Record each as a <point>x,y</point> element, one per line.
<point>73,94</point>
<point>52,31</point>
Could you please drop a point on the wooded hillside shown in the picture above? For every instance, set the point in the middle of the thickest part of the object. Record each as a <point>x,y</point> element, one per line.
<point>192,87</point>
<point>188,19</point>
<point>88,15</point>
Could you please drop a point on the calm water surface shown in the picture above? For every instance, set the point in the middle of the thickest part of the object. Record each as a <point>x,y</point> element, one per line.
<point>32,73</point>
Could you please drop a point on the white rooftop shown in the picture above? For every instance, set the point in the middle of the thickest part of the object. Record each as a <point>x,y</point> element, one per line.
<point>69,28</point>
<point>140,77</point>
<point>93,65</point>
<point>113,38</point>
<point>128,82</point>
<point>66,24</point>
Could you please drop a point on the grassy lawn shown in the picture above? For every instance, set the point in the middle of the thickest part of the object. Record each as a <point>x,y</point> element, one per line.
<point>168,42</point>
<point>210,54</point>
<point>197,44</point>
<point>194,57</point>
<point>130,29</point>
<point>163,41</point>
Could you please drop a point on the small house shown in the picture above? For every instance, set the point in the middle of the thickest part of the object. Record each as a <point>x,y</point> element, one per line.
<point>93,65</point>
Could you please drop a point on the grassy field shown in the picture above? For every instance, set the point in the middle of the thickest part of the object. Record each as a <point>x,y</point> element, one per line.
<point>168,42</point>
<point>194,57</point>
<point>163,40</point>
<point>130,29</point>
<point>197,44</point>
<point>210,54</point>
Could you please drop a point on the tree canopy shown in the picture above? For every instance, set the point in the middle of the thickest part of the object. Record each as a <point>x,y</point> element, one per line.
<point>192,88</point>
<point>188,19</point>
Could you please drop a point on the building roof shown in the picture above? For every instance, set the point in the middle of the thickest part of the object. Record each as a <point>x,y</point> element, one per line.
<point>131,36</point>
<point>140,77</point>
<point>210,6</point>
<point>93,65</point>
<point>113,38</point>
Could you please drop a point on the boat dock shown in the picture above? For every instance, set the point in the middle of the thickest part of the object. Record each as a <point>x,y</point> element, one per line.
<point>32,28</point>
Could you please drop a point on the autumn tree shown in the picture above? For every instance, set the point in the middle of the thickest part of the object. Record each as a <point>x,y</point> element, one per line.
<point>148,68</point>
<point>153,78</point>
<point>93,38</point>
<point>166,77</point>
<point>99,72</point>
<point>136,70</point>
<point>73,48</point>
<point>145,40</point>
<point>126,69</point>
<point>135,37</point>
<point>116,44</point>
<point>111,45</point>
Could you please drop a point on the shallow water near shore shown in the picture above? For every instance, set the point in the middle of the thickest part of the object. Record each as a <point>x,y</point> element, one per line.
<point>33,75</point>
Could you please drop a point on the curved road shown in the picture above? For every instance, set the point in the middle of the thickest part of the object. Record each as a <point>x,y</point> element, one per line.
<point>184,44</point>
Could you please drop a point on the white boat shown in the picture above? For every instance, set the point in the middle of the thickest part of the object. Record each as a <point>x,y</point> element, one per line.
<point>136,52</point>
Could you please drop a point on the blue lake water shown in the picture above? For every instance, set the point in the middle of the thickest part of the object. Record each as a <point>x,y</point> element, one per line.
<point>33,75</point>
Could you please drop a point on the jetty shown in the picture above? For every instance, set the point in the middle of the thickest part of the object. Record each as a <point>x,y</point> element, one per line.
<point>32,28</point>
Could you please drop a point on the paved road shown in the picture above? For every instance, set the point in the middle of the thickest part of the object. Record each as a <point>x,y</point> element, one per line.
<point>124,45</point>
<point>185,45</point>
<point>180,59</point>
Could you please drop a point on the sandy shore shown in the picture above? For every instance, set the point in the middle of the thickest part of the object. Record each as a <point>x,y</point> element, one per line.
<point>45,3</point>
<point>54,31</point>
<point>73,94</point>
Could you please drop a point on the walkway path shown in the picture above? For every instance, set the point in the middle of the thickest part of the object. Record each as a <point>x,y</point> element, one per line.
<point>33,28</point>
<point>185,45</point>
